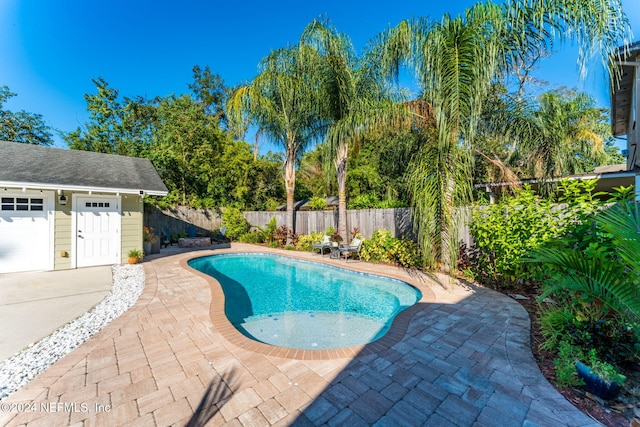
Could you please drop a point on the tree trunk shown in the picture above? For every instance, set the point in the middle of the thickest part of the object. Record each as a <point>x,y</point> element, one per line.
<point>290,185</point>
<point>341,172</point>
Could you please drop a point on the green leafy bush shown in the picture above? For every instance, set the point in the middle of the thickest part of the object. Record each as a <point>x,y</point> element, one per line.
<point>565,364</point>
<point>383,247</point>
<point>305,242</point>
<point>236,223</point>
<point>364,201</point>
<point>507,233</point>
<point>377,248</point>
<point>252,237</point>
<point>371,201</point>
<point>317,203</point>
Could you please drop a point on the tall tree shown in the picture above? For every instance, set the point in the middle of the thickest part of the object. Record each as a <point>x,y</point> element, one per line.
<point>21,126</point>
<point>209,89</point>
<point>282,100</point>
<point>114,127</point>
<point>562,132</point>
<point>355,100</point>
<point>569,137</point>
<point>456,60</point>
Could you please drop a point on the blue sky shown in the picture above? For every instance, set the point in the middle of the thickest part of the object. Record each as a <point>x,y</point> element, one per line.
<point>51,50</point>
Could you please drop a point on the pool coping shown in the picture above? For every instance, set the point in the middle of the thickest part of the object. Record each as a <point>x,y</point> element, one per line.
<point>221,323</point>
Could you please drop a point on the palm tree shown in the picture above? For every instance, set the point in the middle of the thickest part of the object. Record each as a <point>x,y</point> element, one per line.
<point>569,134</point>
<point>561,133</point>
<point>282,101</point>
<point>456,61</point>
<point>355,100</point>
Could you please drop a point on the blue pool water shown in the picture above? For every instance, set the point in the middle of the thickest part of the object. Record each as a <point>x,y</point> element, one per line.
<point>305,305</point>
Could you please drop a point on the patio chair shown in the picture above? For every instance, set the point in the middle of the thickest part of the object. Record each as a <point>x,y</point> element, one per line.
<point>353,249</point>
<point>323,244</point>
<point>166,238</point>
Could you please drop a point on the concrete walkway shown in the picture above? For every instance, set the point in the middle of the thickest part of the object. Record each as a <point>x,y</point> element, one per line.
<point>34,304</point>
<point>463,360</point>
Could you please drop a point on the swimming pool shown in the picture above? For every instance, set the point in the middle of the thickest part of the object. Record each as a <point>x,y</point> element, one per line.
<point>299,304</point>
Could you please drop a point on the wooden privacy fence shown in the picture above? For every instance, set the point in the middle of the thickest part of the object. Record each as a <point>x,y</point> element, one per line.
<point>399,220</point>
<point>177,220</point>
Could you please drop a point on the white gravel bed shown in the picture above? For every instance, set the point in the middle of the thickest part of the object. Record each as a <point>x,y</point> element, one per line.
<point>18,370</point>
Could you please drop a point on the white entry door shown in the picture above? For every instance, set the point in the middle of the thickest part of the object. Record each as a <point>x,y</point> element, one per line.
<point>97,230</point>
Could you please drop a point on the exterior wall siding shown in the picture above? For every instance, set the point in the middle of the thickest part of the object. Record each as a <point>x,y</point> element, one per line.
<point>131,229</point>
<point>62,235</point>
<point>132,222</point>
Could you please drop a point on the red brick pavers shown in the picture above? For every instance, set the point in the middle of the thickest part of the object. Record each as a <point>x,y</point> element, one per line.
<point>459,357</point>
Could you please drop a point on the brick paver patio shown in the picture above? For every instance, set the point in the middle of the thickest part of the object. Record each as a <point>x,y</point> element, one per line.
<point>459,358</point>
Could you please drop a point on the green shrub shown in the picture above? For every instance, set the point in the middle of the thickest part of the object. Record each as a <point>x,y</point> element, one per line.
<point>565,364</point>
<point>378,248</point>
<point>317,203</point>
<point>382,247</point>
<point>252,237</point>
<point>235,222</point>
<point>273,244</point>
<point>390,203</point>
<point>406,253</point>
<point>364,201</point>
<point>507,233</point>
<point>269,229</point>
<point>305,241</point>
<point>589,325</point>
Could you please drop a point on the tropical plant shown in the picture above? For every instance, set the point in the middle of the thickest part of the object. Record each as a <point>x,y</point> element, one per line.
<point>148,234</point>
<point>559,133</point>
<point>609,276</point>
<point>457,59</point>
<point>335,237</point>
<point>283,102</point>
<point>134,253</point>
<point>235,222</point>
<point>355,100</point>
<point>282,235</point>
<point>317,203</point>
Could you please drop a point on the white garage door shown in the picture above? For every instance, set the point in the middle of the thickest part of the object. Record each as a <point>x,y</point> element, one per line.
<point>25,231</point>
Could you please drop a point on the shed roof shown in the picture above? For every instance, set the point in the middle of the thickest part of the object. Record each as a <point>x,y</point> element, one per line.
<point>36,166</point>
<point>621,94</point>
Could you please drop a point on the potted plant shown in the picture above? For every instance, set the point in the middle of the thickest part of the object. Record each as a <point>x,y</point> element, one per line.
<point>147,239</point>
<point>335,239</point>
<point>600,378</point>
<point>135,255</point>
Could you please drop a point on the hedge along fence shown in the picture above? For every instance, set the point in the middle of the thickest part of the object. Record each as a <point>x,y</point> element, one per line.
<point>398,220</point>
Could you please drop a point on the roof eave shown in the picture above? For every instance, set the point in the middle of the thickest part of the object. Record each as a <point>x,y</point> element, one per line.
<point>65,187</point>
<point>605,175</point>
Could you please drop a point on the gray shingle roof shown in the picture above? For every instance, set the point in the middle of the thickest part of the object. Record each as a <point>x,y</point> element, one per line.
<point>35,166</point>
